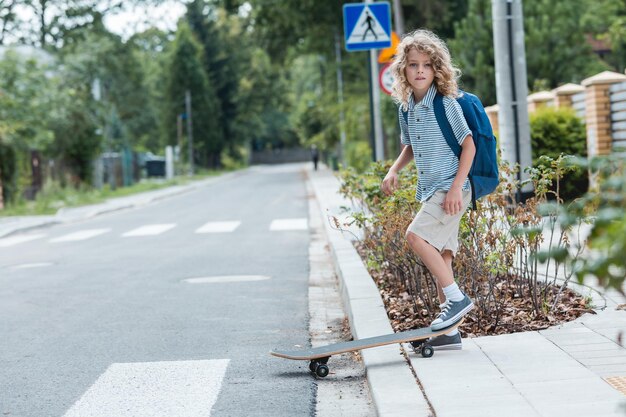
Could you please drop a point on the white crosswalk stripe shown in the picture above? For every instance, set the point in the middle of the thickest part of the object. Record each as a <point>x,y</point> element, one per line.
<point>150,230</point>
<point>289,224</point>
<point>156,229</point>
<point>173,389</point>
<point>15,240</point>
<point>219,227</point>
<point>81,235</point>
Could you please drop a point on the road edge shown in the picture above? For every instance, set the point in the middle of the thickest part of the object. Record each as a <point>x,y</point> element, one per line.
<point>392,384</point>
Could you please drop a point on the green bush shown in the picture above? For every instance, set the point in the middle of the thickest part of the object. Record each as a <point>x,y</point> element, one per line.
<point>555,132</point>
<point>358,155</point>
<point>604,207</point>
<point>497,260</point>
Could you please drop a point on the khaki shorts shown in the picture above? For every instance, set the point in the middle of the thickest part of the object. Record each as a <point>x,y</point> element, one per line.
<point>436,227</point>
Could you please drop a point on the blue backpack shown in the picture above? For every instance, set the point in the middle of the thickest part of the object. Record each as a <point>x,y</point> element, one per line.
<point>483,175</point>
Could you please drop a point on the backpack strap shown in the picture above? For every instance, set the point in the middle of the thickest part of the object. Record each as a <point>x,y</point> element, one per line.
<point>444,125</point>
<point>448,133</point>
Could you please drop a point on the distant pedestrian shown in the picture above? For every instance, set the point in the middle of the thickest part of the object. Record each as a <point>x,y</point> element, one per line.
<point>421,69</point>
<point>315,155</point>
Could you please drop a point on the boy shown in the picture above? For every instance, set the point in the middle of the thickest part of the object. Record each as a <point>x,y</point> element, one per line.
<point>422,68</point>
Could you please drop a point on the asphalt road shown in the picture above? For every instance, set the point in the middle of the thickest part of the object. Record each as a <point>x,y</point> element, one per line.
<point>102,320</point>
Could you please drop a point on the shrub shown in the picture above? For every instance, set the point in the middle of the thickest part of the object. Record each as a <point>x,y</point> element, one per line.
<point>497,263</point>
<point>556,132</point>
<point>604,206</point>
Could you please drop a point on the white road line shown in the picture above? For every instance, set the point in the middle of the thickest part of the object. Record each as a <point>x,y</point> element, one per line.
<point>219,227</point>
<point>150,230</point>
<point>289,224</point>
<point>173,389</point>
<point>14,240</point>
<point>32,265</point>
<point>226,279</point>
<point>82,235</point>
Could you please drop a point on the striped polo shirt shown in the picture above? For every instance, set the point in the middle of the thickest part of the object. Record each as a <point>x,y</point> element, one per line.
<point>436,163</point>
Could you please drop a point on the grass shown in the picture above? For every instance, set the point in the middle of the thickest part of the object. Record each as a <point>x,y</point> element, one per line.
<point>54,197</point>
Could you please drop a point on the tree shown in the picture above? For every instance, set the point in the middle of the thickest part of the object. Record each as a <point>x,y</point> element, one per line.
<point>103,57</point>
<point>309,26</point>
<point>605,20</point>
<point>8,17</point>
<point>553,35</point>
<point>185,72</point>
<point>220,35</point>
<point>76,143</point>
<point>55,22</point>
<point>264,105</point>
<point>438,16</point>
<point>25,84</point>
<point>476,62</point>
<point>42,109</point>
<point>149,49</point>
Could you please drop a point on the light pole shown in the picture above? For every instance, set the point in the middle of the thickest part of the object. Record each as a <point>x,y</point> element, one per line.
<point>189,130</point>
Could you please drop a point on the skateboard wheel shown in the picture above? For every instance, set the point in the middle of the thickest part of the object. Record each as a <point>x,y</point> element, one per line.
<point>321,370</point>
<point>312,366</point>
<point>427,351</point>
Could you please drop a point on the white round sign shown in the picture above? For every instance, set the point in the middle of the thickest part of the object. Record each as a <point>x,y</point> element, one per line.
<point>385,78</point>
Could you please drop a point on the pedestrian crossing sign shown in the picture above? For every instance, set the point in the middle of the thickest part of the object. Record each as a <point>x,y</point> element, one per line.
<point>367,26</point>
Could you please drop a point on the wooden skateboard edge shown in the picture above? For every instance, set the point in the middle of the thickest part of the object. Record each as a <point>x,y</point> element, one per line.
<point>279,354</point>
<point>289,354</point>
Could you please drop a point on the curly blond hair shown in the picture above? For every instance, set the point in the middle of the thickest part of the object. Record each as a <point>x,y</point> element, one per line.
<point>446,74</point>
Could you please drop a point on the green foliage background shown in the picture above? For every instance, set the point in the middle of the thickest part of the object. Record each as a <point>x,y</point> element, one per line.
<point>262,74</point>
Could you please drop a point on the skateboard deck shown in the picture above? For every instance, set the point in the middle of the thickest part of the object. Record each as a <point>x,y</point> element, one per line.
<point>319,356</point>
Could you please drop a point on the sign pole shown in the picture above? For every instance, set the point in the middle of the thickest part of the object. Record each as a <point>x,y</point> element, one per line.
<point>378,121</point>
<point>379,147</point>
<point>342,118</point>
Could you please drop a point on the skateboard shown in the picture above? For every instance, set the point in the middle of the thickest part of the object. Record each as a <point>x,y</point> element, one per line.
<point>319,356</point>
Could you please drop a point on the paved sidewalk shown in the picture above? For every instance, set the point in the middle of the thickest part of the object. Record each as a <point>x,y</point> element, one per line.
<point>561,371</point>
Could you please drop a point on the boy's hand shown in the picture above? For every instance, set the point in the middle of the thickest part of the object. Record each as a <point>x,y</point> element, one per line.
<point>453,203</point>
<point>390,183</point>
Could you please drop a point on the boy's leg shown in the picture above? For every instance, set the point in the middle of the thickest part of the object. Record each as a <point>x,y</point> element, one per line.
<point>451,340</point>
<point>457,304</point>
<point>447,258</point>
<point>432,258</point>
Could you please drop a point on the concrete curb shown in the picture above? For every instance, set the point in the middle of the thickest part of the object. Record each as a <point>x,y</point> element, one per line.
<point>392,385</point>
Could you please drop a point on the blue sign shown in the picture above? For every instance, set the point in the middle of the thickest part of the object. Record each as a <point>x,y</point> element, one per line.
<point>367,26</point>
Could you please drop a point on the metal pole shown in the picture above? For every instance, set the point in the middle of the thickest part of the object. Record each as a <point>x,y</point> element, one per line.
<point>514,103</point>
<point>378,120</point>
<point>179,132</point>
<point>371,91</point>
<point>398,17</point>
<point>109,142</point>
<point>342,118</point>
<point>189,130</point>
<point>379,147</point>
<point>512,89</point>
<point>1,198</point>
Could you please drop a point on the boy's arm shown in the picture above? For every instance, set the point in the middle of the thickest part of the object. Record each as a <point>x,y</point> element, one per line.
<point>453,202</point>
<point>390,183</point>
